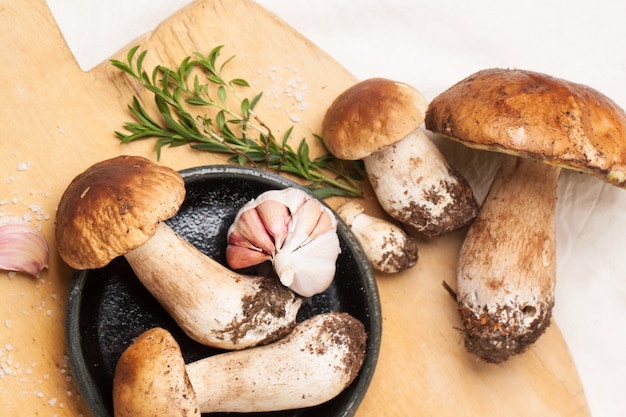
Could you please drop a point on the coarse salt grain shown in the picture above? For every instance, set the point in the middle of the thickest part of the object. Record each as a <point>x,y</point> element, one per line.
<point>23,166</point>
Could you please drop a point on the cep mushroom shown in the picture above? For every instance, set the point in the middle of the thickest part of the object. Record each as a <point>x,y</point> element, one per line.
<point>117,207</point>
<point>378,121</point>
<point>387,247</point>
<point>507,269</point>
<point>313,364</point>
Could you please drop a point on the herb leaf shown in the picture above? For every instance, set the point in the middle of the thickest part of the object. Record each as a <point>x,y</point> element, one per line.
<point>198,85</point>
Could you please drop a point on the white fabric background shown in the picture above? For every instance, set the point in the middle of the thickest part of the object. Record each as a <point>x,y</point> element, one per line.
<point>432,45</point>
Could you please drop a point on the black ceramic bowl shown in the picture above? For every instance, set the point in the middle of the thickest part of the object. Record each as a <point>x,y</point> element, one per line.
<point>108,307</point>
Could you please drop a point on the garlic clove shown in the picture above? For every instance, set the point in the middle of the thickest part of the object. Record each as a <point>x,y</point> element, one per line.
<point>252,231</point>
<point>305,244</point>
<point>275,217</point>
<point>23,249</point>
<point>240,257</point>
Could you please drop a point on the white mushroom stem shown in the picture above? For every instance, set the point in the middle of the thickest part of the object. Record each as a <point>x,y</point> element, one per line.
<point>415,185</point>
<point>507,265</point>
<point>313,364</point>
<point>212,304</point>
<point>386,245</point>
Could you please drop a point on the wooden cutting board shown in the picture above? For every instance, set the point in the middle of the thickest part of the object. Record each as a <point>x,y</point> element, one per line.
<point>57,120</point>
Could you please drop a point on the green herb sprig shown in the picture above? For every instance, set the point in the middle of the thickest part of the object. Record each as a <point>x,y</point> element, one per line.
<point>198,84</point>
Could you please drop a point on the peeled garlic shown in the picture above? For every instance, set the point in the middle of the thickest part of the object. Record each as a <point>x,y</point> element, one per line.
<point>294,231</point>
<point>23,249</point>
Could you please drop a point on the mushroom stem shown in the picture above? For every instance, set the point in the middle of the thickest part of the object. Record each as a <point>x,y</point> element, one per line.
<point>212,304</point>
<point>507,264</point>
<point>386,246</point>
<point>313,364</point>
<point>415,185</point>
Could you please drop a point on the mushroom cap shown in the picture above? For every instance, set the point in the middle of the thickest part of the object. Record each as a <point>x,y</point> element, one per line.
<point>536,116</point>
<point>151,379</point>
<point>370,116</point>
<point>114,207</point>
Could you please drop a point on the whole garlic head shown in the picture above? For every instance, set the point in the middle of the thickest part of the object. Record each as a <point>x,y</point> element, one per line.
<point>294,231</point>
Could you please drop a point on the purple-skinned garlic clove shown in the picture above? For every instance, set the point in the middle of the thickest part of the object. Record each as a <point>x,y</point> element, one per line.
<point>294,231</point>
<point>23,249</point>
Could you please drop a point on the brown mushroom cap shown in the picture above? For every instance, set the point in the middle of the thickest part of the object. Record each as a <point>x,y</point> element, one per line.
<point>533,115</point>
<point>114,207</point>
<point>151,379</point>
<point>370,116</point>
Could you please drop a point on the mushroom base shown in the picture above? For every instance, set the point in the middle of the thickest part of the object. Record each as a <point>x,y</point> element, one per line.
<point>496,335</point>
<point>416,186</point>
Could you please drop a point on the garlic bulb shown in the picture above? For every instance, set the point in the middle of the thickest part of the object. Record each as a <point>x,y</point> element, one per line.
<point>23,249</point>
<point>294,231</point>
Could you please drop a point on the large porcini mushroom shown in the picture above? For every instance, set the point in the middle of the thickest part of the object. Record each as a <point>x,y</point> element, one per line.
<point>117,208</point>
<point>378,121</point>
<point>507,269</point>
<point>387,247</point>
<point>312,365</point>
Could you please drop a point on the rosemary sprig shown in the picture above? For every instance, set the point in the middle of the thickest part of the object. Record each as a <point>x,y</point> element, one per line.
<point>198,84</point>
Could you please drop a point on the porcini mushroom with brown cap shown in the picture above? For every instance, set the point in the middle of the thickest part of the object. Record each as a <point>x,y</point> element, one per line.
<point>507,265</point>
<point>378,120</point>
<point>387,247</point>
<point>313,364</point>
<point>117,207</point>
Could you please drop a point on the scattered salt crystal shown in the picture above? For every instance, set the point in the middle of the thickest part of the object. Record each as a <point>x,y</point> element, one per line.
<point>8,323</point>
<point>52,402</point>
<point>23,166</point>
<point>40,394</point>
<point>294,118</point>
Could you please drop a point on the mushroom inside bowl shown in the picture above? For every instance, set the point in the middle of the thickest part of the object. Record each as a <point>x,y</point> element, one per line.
<point>108,307</point>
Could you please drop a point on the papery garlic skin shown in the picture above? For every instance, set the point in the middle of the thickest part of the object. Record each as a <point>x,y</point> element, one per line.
<point>23,249</point>
<point>294,231</point>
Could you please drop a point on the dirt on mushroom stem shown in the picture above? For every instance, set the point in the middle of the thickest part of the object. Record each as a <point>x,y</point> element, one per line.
<point>267,302</point>
<point>495,339</point>
<point>458,214</point>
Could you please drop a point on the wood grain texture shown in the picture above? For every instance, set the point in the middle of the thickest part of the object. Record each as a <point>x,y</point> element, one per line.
<point>57,120</point>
